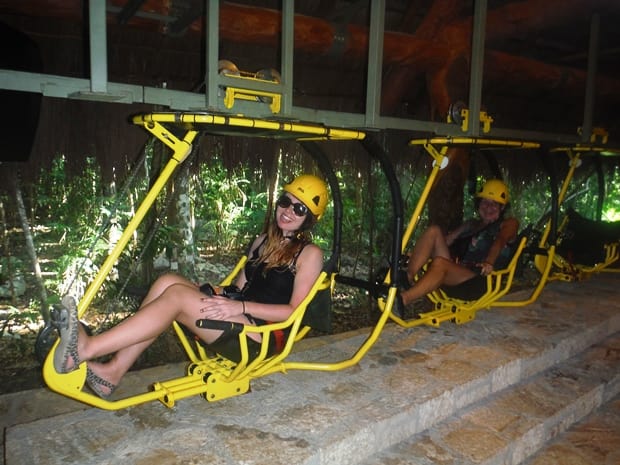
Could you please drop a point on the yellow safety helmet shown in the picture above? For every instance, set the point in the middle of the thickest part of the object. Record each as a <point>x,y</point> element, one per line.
<point>495,190</point>
<point>311,190</point>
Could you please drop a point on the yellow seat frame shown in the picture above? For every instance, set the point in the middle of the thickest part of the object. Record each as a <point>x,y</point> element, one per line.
<point>561,269</point>
<point>215,377</point>
<point>460,311</point>
<point>499,282</point>
<point>211,376</point>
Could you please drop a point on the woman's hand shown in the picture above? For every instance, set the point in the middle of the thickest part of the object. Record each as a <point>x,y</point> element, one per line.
<point>221,308</point>
<point>485,268</point>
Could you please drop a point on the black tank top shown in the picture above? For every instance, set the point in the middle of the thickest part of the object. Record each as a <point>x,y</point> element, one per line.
<point>274,286</point>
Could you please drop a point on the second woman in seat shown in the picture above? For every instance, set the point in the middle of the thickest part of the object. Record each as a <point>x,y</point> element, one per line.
<point>487,244</point>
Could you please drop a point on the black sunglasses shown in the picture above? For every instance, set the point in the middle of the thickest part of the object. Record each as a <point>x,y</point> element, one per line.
<point>298,208</point>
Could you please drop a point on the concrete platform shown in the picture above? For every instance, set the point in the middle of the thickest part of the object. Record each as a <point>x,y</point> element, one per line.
<point>497,390</point>
<point>594,440</point>
<point>509,426</point>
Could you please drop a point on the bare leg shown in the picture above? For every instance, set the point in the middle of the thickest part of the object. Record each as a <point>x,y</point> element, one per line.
<point>170,298</point>
<point>431,244</point>
<point>441,271</point>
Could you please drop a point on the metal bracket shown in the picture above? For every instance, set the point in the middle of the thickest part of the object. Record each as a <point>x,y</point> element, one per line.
<point>597,136</point>
<point>241,93</point>
<point>485,120</point>
<point>459,114</point>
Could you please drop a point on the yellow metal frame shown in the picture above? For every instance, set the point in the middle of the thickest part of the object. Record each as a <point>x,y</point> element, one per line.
<point>213,377</point>
<point>612,254</point>
<point>485,120</point>
<point>241,93</point>
<point>460,311</point>
<point>500,281</point>
<point>216,123</point>
<point>71,384</point>
<point>233,93</point>
<point>548,254</point>
<point>227,379</point>
<point>558,267</point>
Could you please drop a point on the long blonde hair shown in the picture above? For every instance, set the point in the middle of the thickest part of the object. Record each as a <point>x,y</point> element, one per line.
<point>279,250</point>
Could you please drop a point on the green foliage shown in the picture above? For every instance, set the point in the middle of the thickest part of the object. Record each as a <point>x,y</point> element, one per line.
<point>225,206</point>
<point>84,216</point>
<point>584,196</point>
<point>8,266</point>
<point>69,201</point>
<point>76,212</point>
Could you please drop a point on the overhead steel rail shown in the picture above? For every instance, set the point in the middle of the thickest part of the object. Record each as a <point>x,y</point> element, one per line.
<point>98,87</point>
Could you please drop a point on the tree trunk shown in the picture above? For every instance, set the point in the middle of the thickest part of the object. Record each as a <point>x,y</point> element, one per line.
<point>273,183</point>
<point>445,201</point>
<point>32,253</point>
<point>187,252</point>
<point>152,169</point>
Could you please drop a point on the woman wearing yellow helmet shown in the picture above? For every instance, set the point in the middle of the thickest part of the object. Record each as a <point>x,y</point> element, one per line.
<point>487,245</point>
<point>282,266</point>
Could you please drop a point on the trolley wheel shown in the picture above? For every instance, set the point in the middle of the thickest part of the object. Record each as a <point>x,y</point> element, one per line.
<point>454,112</point>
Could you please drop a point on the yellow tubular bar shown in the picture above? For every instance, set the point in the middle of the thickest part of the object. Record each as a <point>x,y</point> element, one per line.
<point>214,378</point>
<point>440,161</point>
<point>205,120</point>
<point>181,149</point>
<point>517,144</point>
<point>545,268</point>
<point>565,271</point>
<point>358,355</point>
<point>70,384</point>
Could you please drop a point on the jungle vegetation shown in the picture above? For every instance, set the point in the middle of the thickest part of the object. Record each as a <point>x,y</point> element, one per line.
<point>204,219</point>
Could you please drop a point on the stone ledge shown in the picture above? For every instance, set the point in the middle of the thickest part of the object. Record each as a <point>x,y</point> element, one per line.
<point>410,381</point>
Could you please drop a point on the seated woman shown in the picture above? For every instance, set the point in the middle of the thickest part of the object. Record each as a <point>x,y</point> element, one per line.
<point>282,267</point>
<point>488,241</point>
